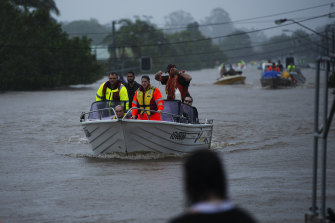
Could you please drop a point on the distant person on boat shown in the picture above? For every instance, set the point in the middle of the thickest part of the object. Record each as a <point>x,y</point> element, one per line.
<point>231,71</point>
<point>223,70</point>
<point>273,67</point>
<point>189,101</point>
<point>113,90</point>
<point>149,98</point>
<point>206,192</point>
<point>131,86</point>
<point>119,112</point>
<point>175,80</point>
<point>280,66</point>
<point>291,67</point>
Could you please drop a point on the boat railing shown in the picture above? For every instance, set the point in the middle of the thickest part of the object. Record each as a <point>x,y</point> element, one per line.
<point>174,111</point>
<point>109,113</point>
<point>103,113</point>
<point>175,117</point>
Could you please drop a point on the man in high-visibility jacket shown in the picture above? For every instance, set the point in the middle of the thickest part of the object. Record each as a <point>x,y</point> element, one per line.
<point>149,98</point>
<point>113,90</point>
<point>291,67</point>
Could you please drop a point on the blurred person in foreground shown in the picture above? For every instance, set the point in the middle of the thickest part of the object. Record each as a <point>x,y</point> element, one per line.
<point>147,97</point>
<point>206,191</point>
<point>177,79</point>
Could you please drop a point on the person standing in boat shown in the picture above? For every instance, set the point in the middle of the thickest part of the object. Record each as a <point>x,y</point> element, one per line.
<point>175,80</point>
<point>149,98</point>
<point>131,86</point>
<point>113,90</point>
<point>206,192</point>
<point>291,67</point>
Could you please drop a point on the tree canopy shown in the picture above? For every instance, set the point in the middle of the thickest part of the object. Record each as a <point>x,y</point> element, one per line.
<point>36,54</point>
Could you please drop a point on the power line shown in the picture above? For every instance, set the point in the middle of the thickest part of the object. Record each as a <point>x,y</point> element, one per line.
<point>215,24</point>
<point>180,42</point>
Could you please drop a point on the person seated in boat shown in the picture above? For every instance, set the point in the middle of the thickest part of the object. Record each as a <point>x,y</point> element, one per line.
<point>119,112</point>
<point>273,67</point>
<point>189,101</point>
<point>177,79</point>
<point>206,191</point>
<point>286,74</point>
<point>113,90</point>
<point>223,70</point>
<point>149,98</point>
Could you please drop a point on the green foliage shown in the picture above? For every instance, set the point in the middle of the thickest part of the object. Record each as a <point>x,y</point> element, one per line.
<point>188,49</point>
<point>36,54</point>
<point>237,46</point>
<point>91,29</point>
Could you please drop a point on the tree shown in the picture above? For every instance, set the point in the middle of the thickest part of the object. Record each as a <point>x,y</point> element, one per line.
<point>37,54</point>
<point>175,21</point>
<point>91,29</point>
<point>237,46</point>
<point>48,5</point>
<point>218,23</point>
<point>135,39</point>
<point>194,54</point>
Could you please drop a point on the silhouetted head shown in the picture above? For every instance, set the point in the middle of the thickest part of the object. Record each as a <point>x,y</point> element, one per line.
<point>204,177</point>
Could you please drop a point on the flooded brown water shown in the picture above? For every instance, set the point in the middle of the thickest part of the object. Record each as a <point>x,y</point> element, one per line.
<point>48,172</point>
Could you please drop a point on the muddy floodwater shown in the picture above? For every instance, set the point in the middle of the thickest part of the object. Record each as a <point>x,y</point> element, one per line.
<point>48,172</point>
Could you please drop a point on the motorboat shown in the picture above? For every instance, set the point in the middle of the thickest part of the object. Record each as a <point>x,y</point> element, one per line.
<point>231,79</point>
<point>274,79</point>
<point>179,131</point>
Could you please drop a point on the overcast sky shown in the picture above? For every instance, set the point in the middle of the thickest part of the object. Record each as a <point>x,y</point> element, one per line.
<point>106,11</point>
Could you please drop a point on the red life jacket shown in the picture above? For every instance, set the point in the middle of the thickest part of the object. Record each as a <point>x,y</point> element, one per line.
<point>171,85</point>
<point>116,95</point>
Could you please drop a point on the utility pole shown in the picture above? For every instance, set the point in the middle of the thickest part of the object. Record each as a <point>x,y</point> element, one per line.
<point>113,40</point>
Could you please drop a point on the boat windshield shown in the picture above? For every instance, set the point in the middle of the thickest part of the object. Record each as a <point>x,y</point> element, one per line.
<point>174,111</point>
<point>182,112</point>
<point>103,109</point>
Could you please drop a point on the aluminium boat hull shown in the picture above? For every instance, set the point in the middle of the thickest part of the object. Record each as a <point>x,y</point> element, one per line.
<point>128,136</point>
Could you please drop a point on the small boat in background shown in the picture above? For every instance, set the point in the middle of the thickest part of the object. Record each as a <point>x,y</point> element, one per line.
<point>231,79</point>
<point>230,76</point>
<point>273,79</point>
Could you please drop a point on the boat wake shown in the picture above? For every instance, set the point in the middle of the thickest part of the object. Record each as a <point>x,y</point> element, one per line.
<point>128,156</point>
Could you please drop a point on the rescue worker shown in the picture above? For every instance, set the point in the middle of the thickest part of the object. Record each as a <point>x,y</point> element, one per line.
<point>131,86</point>
<point>291,67</point>
<point>150,98</point>
<point>175,80</point>
<point>273,68</point>
<point>113,90</point>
